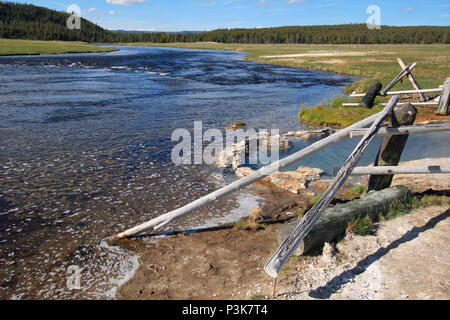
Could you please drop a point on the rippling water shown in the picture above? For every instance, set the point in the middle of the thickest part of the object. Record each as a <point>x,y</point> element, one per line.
<point>85,152</point>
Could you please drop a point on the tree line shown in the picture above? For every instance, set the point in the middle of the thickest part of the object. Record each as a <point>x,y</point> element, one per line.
<point>25,21</point>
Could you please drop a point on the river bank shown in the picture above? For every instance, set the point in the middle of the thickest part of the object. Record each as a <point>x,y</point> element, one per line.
<point>12,47</point>
<point>227,263</point>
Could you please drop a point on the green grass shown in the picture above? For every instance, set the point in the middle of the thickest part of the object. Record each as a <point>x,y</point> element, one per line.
<point>335,116</point>
<point>256,296</point>
<point>362,226</point>
<point>356,191</point>
<point>401,208</point>
<point>33,47</point>
<point>398,209</point>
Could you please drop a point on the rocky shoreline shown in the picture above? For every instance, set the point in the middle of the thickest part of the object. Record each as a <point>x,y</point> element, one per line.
<point>226,262</point>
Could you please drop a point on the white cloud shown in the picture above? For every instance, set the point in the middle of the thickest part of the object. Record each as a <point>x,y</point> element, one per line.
<point>410,9</point>
<point>260,2</point>
<point>91,9</point>
<point>293,1</point>
<point>125,2</point>
<point>111,12</point>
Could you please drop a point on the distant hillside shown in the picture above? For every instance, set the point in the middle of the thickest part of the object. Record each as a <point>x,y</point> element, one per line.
<point>140,31</point>
<point>23,21</point>
<point>337,34</point>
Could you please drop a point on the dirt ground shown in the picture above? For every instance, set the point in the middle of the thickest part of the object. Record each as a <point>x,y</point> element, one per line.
<point>405,258</point>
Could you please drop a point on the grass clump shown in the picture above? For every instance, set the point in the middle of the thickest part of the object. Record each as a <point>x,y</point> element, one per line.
<point>237,125</point>
<point>334,115</point>
<point>252,223</point>
<point>257,297</point>
<point>362,226</point>
<point>433,200</point>
<point>357,191</point>
<point>311,204</point>
<point>398,209</point>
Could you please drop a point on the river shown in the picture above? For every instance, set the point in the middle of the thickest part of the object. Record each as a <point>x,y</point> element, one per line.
<point>85,153</point>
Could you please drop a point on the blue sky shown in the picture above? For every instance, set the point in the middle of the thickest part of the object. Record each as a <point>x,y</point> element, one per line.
<point>177,15</point>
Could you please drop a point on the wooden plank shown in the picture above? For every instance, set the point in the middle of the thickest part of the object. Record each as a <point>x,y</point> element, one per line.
<point>392,93</point>
<point>444,100</point>
<point>392,146</point>
<point>356,104</point>
<point>399,77</point>
<point>362,171</point>
<point>281,256</point>
<point>412,80</point>
<point>428,128</point>
<point>236,185</point>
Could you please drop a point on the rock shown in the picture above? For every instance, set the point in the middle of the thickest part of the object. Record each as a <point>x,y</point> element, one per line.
<point>295,181</point>
<point>328,254</point>
<point>283,143</point>
<point>311,174</point>
<point>292,181</point>
<point>311,134</point>
<point>243,172</point>
<point>234,156</point>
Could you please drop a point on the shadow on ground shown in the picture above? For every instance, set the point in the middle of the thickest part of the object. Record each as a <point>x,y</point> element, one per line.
<point>339,281</point>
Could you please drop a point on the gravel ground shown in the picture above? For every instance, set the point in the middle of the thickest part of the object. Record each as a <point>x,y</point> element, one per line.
<point>406,258</point>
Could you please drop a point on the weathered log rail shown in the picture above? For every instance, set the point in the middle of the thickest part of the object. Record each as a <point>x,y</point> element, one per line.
<point>376,121</point>
<point>164,219</point>
<point>416,129</point>
<point>281,256</point>
<point>363,171</point>
<point>368,98</point>
<point>393,93</point>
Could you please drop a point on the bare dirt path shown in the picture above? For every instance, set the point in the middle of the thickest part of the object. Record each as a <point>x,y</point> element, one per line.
<point>407,258</point>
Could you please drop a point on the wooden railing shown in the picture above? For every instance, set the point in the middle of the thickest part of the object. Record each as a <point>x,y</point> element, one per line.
<point>276,262</point>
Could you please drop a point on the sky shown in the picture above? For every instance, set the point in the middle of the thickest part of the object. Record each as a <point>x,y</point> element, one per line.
<point>200,15</point>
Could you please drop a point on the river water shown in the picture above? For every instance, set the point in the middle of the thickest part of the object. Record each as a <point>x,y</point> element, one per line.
<point>85,153</point>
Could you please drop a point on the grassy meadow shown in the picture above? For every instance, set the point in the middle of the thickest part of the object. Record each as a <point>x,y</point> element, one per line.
<point>34,47</point>
<point>370,62</point>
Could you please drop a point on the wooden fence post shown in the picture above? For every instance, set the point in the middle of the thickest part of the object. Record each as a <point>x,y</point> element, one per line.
<point>399,77</point>
<point>413,80</point>
<point>445,99</point>
<point>166,218</point>
<point>281,256</point>
<point>392,146</point>
<point>369,99</point>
